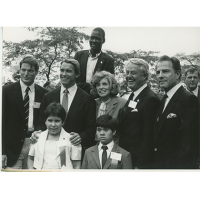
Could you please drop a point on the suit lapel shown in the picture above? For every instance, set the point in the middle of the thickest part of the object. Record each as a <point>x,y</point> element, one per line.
<point>17,92</point>
<point>167,110</point>
<point>95,155</point>
<point>111,105</point>
<point>83,63</point>
<point>100,62</point>
<point>109,160</point>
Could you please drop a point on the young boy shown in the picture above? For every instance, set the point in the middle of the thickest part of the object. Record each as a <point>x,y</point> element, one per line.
<point>106,154</point>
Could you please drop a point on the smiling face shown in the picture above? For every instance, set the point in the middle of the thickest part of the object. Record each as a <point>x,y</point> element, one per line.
<point>191,80</point>
<point>96,41</point>
<point>166,75</point>
<point>27,74</point>
<point>67,75</point>
<point>135,77</point>
<point>103,89</point>
<point>54,125</point>
<point>105,135</point>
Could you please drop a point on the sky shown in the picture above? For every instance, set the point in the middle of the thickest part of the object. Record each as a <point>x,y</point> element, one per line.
<point>166,40</point>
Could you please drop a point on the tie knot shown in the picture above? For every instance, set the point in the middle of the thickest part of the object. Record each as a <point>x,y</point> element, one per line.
<point>165,96</point>
<point>104,148</point>
<point>27,89</point>
<point>131,96</point>
<point>66,91</point>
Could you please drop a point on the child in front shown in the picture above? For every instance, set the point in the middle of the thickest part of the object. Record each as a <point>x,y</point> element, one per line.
<point>106,154</point>
<point>53,149</point>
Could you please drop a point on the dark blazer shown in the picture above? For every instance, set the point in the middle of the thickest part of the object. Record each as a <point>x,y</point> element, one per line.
<point>81,116</point>
<point>105,62</point>
<point>199,95</point>
<point>176,133</point>
<point>13,122</point>
<point>91,159</point>
<point>137,128</point>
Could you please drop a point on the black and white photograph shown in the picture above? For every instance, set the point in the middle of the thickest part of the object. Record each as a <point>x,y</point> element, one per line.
<point>116,100</point>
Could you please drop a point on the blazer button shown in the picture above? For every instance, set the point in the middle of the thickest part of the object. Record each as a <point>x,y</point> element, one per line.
<point>155,149</point>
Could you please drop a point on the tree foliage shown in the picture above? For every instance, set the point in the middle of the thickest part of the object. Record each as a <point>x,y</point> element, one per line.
<point>53,45</point>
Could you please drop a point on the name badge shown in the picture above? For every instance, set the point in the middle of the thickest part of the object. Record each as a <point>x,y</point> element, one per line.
<point>36,105</point>
<point>116,156</point>
<point>132,104</point>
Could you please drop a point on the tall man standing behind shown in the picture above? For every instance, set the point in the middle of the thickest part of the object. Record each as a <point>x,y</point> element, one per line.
<point>176,135</point>
<point>93,60</point>
<point>138,116</point>
<point>79,106</point>
<point>20,112</point>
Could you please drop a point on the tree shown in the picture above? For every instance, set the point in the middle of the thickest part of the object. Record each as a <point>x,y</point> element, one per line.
<point>53,45</point>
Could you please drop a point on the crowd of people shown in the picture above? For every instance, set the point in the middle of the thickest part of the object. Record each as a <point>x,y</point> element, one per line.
<point>89,122</point>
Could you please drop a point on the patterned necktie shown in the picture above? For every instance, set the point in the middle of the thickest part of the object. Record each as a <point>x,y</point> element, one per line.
<point>162,105</point>
<point>26,106</point>
<point>65,100</point>
<point>104,155</point>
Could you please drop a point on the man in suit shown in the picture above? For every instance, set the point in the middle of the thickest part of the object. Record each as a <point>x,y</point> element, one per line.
<point>191,80</point>
<point>138,116</point>
<point>176,133</point>
<point>93,60</point>
<point>80,107</point>
<point>106,154</point>
<point>18,123</point>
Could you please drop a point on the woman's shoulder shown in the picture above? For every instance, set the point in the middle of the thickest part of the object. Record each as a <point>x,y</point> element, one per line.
<point>120,100</point>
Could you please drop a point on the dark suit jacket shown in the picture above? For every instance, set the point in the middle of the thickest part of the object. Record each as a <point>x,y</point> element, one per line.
<point>137,127</point>
<point>13,122</point>
<point>81,116</point>
<point>91,159</point>
<point>105,62</point>
<point>176,138</point>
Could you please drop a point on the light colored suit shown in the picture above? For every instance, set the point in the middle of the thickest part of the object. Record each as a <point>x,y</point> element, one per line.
<point>91,159</point>
<point>71,152</point>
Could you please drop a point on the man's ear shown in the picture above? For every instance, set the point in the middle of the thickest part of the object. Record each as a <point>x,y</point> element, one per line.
<point>104,41</point>
<point>178,74</point>
<point>114,132</point>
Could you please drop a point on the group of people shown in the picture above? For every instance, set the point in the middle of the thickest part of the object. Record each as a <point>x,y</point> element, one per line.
<point>85,124</point>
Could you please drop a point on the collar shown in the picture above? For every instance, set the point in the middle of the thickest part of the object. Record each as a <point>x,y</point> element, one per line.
<point>23,86</point>
<point>137,92</point>
<point>195,92</point>
<point>171,92</point>
<point>97,55</point>
<point>71,89</point>
<point>110,146</point>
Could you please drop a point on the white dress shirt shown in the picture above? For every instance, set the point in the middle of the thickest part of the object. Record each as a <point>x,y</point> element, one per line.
<point>170,94</point>
<point>110,146</point>
<point>72,91</point>
<point>31,94</point>
<point>91,63</point>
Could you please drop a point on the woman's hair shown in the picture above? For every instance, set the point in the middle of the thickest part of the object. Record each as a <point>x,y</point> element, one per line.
<point>106,121</point>
<point>55,109</point>
<point>114,87</point>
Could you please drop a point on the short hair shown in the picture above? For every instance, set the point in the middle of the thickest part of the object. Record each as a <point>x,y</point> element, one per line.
<point>75,63</point>
<point>31,61</point>
<point>106,121</point>
<point>192,70</point>
<point>175,63</point>
<point>56,110</point>
<point>101,31</point>
<point>114,87</point>
<point>47,84</point>
<point>141,63</point>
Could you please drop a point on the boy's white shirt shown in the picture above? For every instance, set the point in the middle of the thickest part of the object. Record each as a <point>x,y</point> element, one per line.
<point>38,148</point>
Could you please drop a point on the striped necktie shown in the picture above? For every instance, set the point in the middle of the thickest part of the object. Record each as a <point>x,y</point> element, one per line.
<point>65,100</point>
<point>26,106</point>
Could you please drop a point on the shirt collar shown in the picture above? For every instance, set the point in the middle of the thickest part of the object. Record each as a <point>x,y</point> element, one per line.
<point>195,92</point>
<point>171,92</point>
<point>137,92</point>
<point>23,86</point>
<point>97,55</point>
<point>110,146</point>
<point>71,89</point>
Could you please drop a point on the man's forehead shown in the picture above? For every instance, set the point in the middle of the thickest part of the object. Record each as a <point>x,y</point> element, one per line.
<point>96,33</point>
<point>195,73</point>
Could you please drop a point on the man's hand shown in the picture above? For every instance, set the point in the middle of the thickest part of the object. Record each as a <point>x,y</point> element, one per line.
<point>4,161</point>
<point>35,136</point>
<point>75,138</point>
